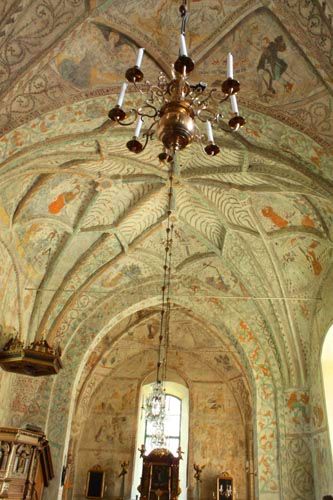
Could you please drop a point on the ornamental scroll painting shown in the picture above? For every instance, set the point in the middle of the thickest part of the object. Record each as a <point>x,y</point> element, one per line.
<point>225,487</point>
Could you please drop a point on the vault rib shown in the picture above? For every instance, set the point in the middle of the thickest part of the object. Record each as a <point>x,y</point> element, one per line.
<point>297,363</point>
<point>92,278</point>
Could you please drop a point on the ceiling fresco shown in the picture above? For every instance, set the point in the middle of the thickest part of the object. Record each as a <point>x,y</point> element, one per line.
<point>82,220</point>
<point>86,47</point>
<point>88,219</point>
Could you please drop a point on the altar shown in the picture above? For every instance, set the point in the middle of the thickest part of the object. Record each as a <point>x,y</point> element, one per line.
<point>160,475</point>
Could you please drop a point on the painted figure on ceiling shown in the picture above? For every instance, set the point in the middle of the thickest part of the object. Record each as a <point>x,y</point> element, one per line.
<point>271,67</point>
<point>88,65</point>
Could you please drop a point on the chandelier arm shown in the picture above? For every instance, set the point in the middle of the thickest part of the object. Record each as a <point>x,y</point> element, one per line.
<point>146,136</point>
<point>158,90</point>
<point>162,79</point>
<point>210,115</point>
<point>141,111</point>
<point>219,100</point>
<point>208,96</point>
<point>199,138</point>
<point>132,111</point>
<point>195,97</point>
<point>149,133</point>
<point>139,89</point>
<point>224,125</point>
<point>224,99</point>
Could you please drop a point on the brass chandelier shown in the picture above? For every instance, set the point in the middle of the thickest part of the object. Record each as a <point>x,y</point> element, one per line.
<point>174,109</point>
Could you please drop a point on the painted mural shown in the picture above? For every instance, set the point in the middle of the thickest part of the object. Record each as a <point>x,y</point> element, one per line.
<point>91,58</point>
<point>84,221</point>
<point>111,422</point>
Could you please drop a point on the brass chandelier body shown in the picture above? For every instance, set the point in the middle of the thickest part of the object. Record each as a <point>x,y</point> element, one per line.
<point>175,110</point>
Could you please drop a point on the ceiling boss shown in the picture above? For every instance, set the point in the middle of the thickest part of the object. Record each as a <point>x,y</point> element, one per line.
<point>174,109</point>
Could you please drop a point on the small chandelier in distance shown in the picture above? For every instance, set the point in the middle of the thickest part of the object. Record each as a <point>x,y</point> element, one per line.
<point>173,108</point>
<point>155,403</point>
<point>155,413</point>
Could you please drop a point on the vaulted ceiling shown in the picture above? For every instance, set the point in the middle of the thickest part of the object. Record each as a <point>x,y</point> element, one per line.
<point>83,220</point>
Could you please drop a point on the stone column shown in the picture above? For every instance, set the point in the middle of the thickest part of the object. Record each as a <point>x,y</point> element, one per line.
<point>297,448</point>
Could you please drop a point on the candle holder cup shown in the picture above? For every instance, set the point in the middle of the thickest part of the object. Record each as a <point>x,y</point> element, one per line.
<point>134,74</point>
<point>184,62</point>
<point>134,146</point>
<point>230,86</point>
<point>116,114</point>
<point>165,157</point>
<point>236,122</point>
<point>212,149</point>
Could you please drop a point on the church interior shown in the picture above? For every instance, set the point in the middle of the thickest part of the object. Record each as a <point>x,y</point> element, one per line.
<point>89,214</point>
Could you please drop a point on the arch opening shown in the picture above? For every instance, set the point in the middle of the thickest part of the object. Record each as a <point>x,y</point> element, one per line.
<point>327,372</point>
<point>177,430</point>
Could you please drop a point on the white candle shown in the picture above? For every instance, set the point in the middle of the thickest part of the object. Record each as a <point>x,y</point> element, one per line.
<point>183,49</point>
<point>122,95</point>
<point>139,124</point>
<point>139,58</point>
<point>209,132</point>
<point>230,66</point>
<point>234,106</point>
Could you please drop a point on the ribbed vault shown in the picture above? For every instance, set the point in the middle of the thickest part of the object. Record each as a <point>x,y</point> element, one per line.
<point>82,221</point>
<point>253,226</point>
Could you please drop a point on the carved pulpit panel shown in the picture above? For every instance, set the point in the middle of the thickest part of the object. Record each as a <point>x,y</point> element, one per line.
<point>25,463</point>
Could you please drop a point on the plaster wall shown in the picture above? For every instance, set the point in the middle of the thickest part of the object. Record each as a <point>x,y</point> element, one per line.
<point>217,436</point>
<point>108,436</point>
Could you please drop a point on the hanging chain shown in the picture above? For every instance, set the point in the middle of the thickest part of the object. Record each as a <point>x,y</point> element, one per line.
<point>183,9</point>
<point>165,306</point>
<point>168,306</point>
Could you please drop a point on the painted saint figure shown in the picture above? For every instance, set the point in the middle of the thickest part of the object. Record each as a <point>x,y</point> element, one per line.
<point>271,67</point>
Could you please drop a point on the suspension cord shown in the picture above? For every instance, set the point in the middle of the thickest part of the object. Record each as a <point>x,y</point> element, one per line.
<point>168,305</point>
<point>183,9</point>
<point>165,306</point>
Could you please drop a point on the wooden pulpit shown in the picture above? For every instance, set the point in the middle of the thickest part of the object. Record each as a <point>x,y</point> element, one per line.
<point>25,464</point>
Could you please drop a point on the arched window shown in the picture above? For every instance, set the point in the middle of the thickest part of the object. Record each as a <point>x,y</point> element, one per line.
<point>327,368</point>
<point>176,430</point>
<point>172,426</point>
